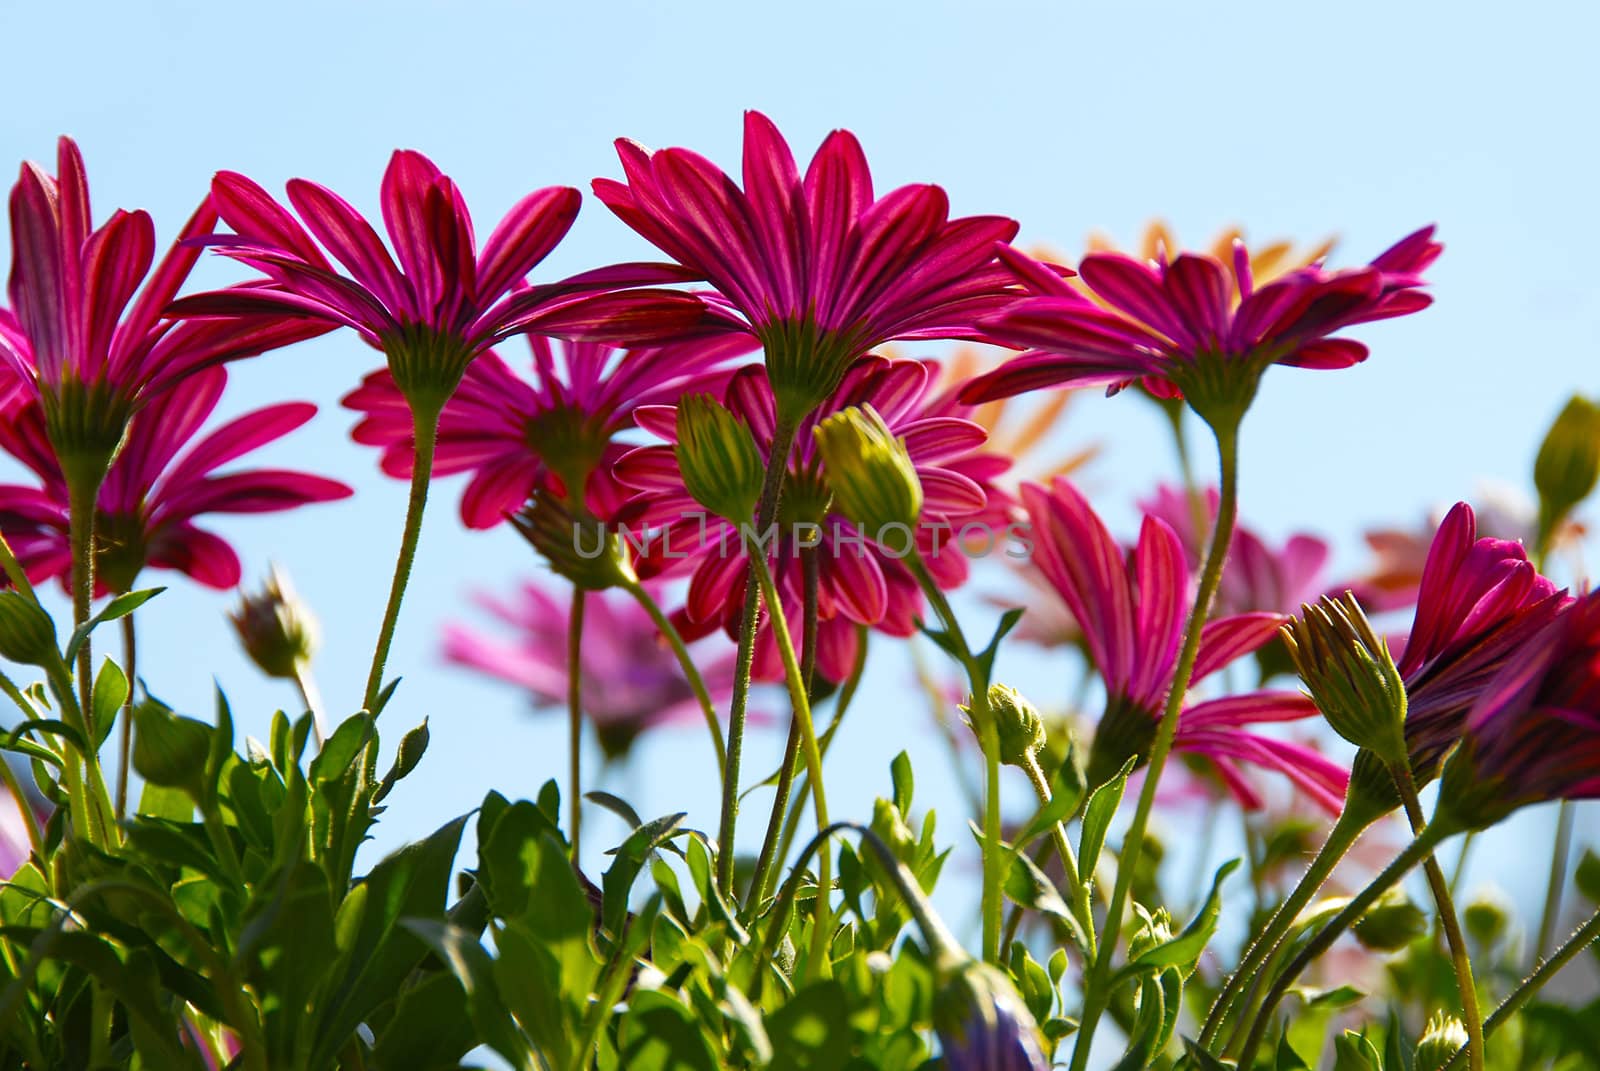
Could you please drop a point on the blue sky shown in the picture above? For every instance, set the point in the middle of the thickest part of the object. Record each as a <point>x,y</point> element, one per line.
<point>1362,120</point>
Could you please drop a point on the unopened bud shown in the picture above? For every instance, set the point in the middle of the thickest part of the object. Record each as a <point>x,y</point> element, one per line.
<point>1347,668</point>
<point>1019,725</point>
<point>1444,1036</point>
<point>1487,917</point>
<point>27,635</point>
<point>983,1023</point>
<point>1372,792</point>
<point>717,457</point>
<point>577,546</point>
<point>890,825</point>
<point>1568,463</point>
<point>277,630</point>
<point>1392,923</point>
<point>873,480</point>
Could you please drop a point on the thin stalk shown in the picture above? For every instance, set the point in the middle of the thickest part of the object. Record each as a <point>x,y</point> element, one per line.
<point>130,653</point>
<point>802,797</point>
<point>1461,861</point>
<point>1558,878</point>
<point>311,696</point>
<point>749,622</point>
<point>801,702</point>
<point>575,712</point>
<point>425,436</point>
<point>811,573</point>
<point>1069,859</point>
<point>992,908</point>
<point>691,672</point>
<point>1449,921</point>
<point>1344,834</point>
<point>1096,996</point>
<point>1418,850</point>
<point>1581,938</point>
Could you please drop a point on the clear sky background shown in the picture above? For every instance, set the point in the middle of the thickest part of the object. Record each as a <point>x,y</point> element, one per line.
<point>1361,120</point>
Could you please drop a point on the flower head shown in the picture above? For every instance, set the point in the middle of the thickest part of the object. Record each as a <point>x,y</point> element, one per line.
<point>1132,610</point>
<point>554,429</point>
<point>862,577</point>
<point>1534,733</point>
<point>163,479</point>
<point>1347,668</point>
<point>869,470</point>
<point>277,630</point>
<point>446,301</point>
<point>1479,603</point>
<point>631,680</point>
<point>1195,325</point>
<point>819,268</point>
<point>82,339</point>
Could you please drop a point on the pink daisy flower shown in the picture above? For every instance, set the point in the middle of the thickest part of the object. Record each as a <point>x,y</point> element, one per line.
<point>82,339</point>
<point>820,269</point>
<point>1195,326</point>
<point>861,582</point>
<point>631,680</point>
<point>556,428</point>
<point>161,482</point>
<point>446,301</point>
<point>1132,610</point>
<point>1480,604</point>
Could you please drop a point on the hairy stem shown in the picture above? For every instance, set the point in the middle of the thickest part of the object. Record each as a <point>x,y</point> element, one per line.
<point>1069,859</point>
<point>575,712</point>
<point>82,497</point>
<point>1096,996</point>
<point>130,651</point>
<point>749,622</point>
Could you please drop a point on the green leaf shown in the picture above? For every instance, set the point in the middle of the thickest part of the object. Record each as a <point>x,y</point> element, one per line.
<point>811,1032</point>
<point>1150,1015</point>
<point>1353,1052</point>
<point>1286,1059</point>
<point>617,806</point>
<point>1066,791</point>
<point>121,606</point>
<point>1032,888</point>
<point>170,750</point>
<point>467,960</point>
<point>287,948</point>
<point>660,1034</point>
<point>1200,1059</point>
<point>904,782</point>
<point>1097,816</point>
<point>1183,950</point>
<point>630,859</point>
<point>1588,876</point>
<point>412,745</point>
<point>110,692</point>
<point>340,749</point>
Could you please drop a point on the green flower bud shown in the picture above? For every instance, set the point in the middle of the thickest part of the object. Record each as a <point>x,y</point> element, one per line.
<point>1372,792</point>
<point>577,546</point>
<point>1347,668</point>
<point>888,824</point>
<point>1391,923</point>
<point>1487,917</point>
<point>1568,463</point>
<point>874,482</point>
<point>277,630</point>
<point>1020,726</point>
<point>1445,1034</point>
<point>721,467</point>
<point>27,635</point>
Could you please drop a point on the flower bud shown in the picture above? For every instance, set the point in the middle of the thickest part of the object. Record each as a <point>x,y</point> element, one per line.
<point>1018,722</point>
<point>578,547</point>
<point>1372,792</point>
<point>1391,923</point>
<point>982,1023</point>
<point>721,467</point>
<point>1487,917</point>
<point>277,630</point>
<point>888,824</point>
<point>1568,463</point>
<point>873,480</point>
<point>1443,1037</point>
<point>1347,668</point>
<point>27,635</point>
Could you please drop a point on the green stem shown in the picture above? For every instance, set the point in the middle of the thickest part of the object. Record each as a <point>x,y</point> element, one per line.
<point>992,907</point>
<point>613,985</point>
<point>311,696</point>
<point>1581,938</point>
<point>1558,878</point>
<point>1418,850</point>
<point>1069,859</point>
<point>749,622</point>
<point>425,436</point>
<point>1406,782</point>
<point>1461,862</point>
<point>811,571</point>
<point>130,649</point>
<point>691,672</point>
<point>575,712</point>
<point>82,497</point>
<point>1096,996</point>
<point>1344,834</point>
<point>801,702</point>
<point>797,806</point>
